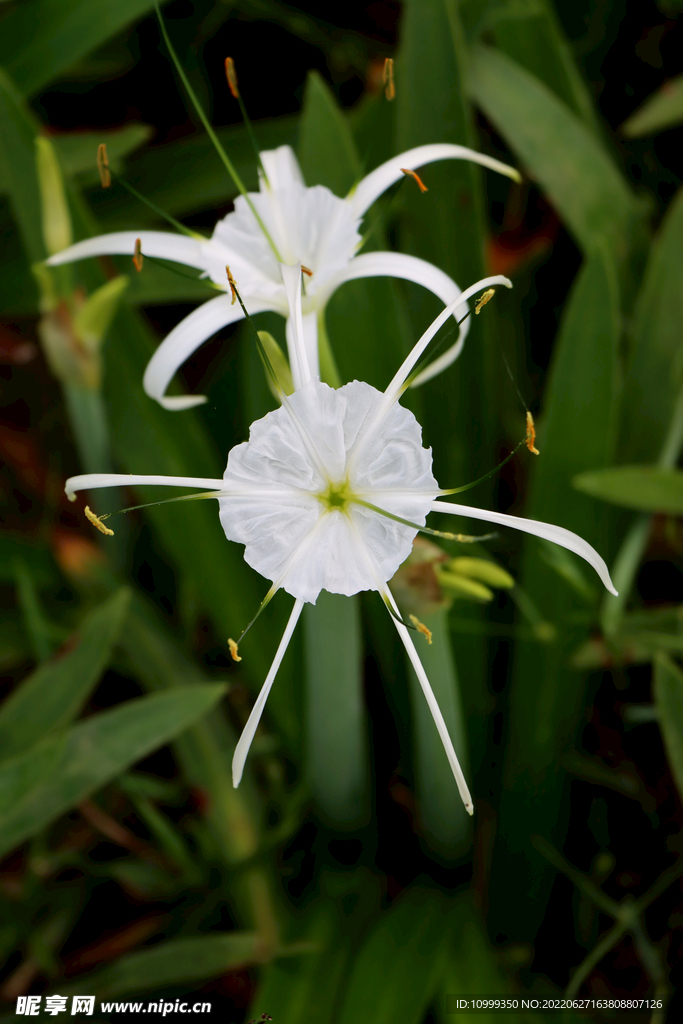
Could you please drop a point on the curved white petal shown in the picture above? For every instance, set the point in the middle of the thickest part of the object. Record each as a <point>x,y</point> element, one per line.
<point>183,341</point>
<point>296,341</point>
<point>410,268</point>
<point>378,181</point>
<point>282,167</point>
<point>244,743</point>
<point>556,534</point>
<point>91,481</point>
<point>162,244</point>
<point>433,706</point>
<point>396,385</point>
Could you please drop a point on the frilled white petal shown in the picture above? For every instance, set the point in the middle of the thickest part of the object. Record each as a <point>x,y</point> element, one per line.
<point>311,226</point>
<point>91,481</point>
<point>245,740</point>
<point>378,181</point>
<point>281,167</point>
<point>410,268</point>
<point>162,244</point>
<point>556,534</point>
<point>435,710</point>
<point>312,441</point>
<point>185,339</point>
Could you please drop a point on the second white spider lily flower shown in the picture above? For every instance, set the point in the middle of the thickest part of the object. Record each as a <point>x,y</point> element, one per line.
<point>307,226</point>
<point>329,493</point>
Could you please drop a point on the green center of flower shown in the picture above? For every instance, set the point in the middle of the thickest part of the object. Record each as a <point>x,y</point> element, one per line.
<point>336,496</point>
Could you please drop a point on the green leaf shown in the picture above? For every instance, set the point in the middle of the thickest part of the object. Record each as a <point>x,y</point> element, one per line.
<point>41,39</point>
<point>336,758</point>
<point>308,989</point>
<point>558,150</point>
<point>668,697</point>
<point>663,109</point>
<point>52,696</point>
<point>576,432</point>
<point>654,375</point>
<point>646,488</point>
<point>396,969</point>
<point>534,39</point>
<point>40,632</point>
<point>18,128</point>
<point>444,820</point>
<point>171,963</point>
<point>205,750</point>
<point>326,150</point>
<point>46,781</point>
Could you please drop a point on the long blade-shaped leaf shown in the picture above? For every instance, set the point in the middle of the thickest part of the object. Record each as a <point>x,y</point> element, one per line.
<point>557,149</point>
<point>52,696</point>
<point>42,38</point>
<point>668,694</point>
<point>336,763</point>
<point>577,432</point>
<point>90,754</point>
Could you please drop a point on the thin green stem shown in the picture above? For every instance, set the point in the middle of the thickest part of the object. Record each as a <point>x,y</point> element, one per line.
<point>227,162</point>
<point>586,967</point>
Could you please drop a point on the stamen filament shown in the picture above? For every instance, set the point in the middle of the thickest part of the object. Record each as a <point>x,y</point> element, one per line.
<point>231,76</point>
<point>479,480</point>
<point>156,209</point>
<point>227,162</point>
<point>460,537</point>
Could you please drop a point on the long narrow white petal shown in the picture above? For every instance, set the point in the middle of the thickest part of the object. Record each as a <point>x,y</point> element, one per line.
<point>310,328</point>
<point>394,389</point>
<point>556,534</point>
<point>242,748</point>
<point>162,244</point>
<point>378,181</point>
<point>410,268</point>
<point>433,706</point>
<point>296,342</point>
<point>183,340</point>
<point>91,481</point>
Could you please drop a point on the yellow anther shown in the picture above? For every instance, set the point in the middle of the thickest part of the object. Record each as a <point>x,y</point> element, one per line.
<point>416,177</point>
<point>97,522</point>
<point>103,165</point>
<point>232,647</point>
<point>421,628</point>
<point>483,299</point>
<point>231,76</point>
<point>138,258</point>
<point>388,78</point>
<point>531,434</point>
<point>233,286</point>
<point>306,271</point>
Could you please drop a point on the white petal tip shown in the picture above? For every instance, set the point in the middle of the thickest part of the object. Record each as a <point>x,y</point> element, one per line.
<point>470,808</point>
<point>179,402</point>
<point>236,776</point>
<point>612,591</point>
<point>71,495</point>
<point>514,174</point>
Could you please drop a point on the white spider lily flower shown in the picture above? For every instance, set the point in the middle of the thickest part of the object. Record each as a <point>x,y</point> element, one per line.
<point>307,226</point>
<point>329,492</point>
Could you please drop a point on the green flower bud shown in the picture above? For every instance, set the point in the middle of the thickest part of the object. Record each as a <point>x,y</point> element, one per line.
<point>462,586</point>
<point>481,569</point>
<point>56,219</point>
